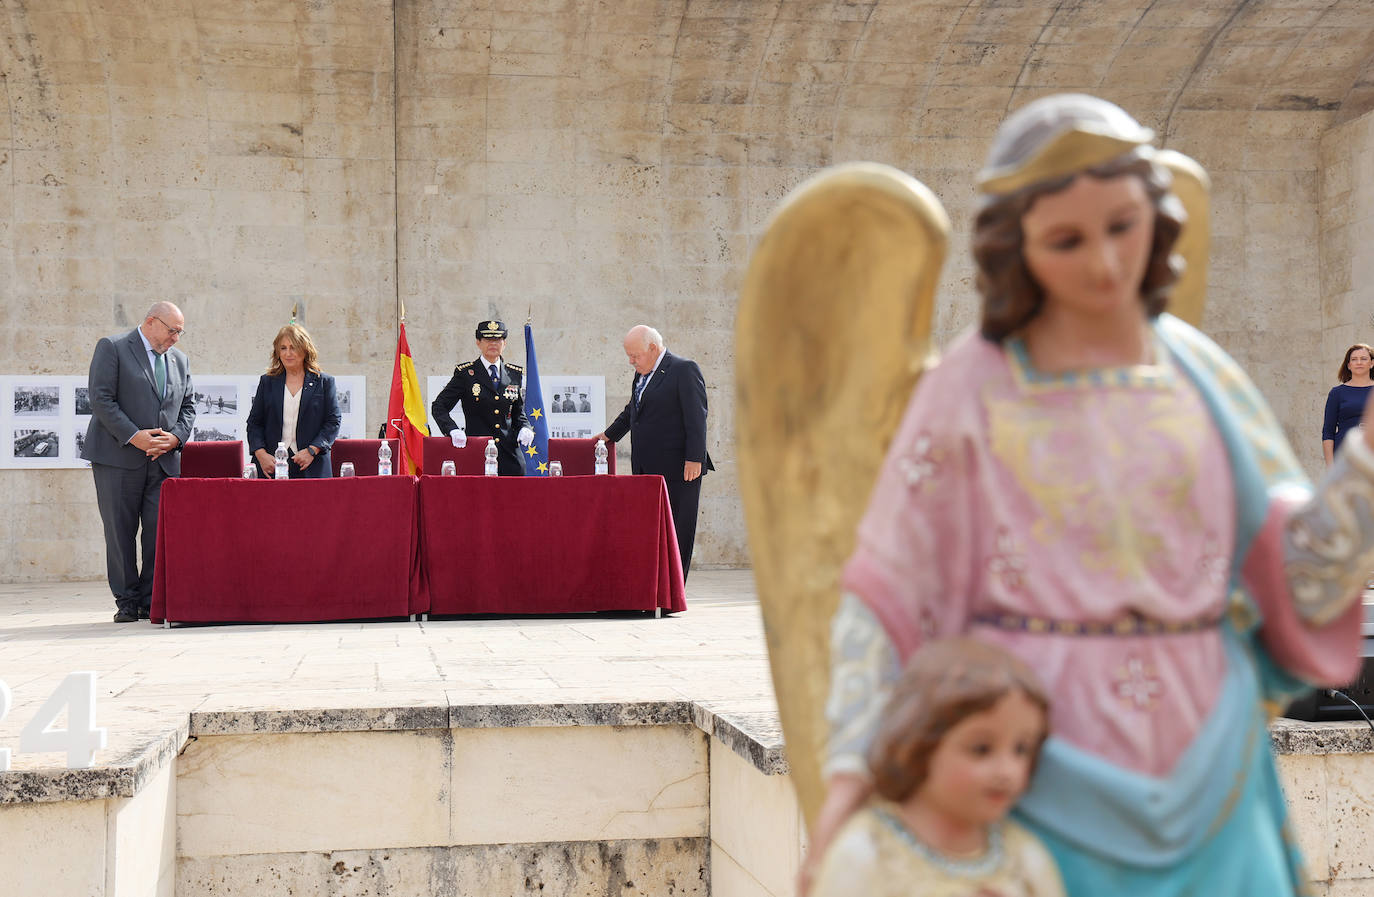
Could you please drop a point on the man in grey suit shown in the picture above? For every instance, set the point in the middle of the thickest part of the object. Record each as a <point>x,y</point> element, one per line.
<point>142,409</point>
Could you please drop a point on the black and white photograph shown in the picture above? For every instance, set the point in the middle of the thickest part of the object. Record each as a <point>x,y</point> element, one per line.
<point>574,399</point>
<point>36,401</point>
<point>81,436</point>
<point>576,404</point>
<point>345,396</point>
<point>214,434</point>
<point>83,400</point>
<point>217,399</point>
<point>34,443</point>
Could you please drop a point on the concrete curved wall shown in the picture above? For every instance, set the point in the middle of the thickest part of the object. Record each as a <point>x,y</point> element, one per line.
<point>598,163</point>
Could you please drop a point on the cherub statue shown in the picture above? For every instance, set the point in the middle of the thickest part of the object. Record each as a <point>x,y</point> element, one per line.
<point>1085,480</point>
<point>959,738</point>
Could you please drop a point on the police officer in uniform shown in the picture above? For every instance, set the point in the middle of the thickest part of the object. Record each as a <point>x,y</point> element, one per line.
<point>491,392</point>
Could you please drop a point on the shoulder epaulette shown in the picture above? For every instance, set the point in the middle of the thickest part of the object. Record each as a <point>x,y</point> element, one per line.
<point>515,367</point>
<point>466,364</point>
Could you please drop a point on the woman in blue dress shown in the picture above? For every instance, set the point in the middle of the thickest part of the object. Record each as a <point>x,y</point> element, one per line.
<point>1345,403</point>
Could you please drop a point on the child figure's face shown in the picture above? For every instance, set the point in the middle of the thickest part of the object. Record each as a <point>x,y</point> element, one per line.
<point>983,764</point>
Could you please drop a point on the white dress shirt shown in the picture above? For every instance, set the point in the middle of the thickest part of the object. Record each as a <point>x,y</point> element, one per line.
<point>290,410</point>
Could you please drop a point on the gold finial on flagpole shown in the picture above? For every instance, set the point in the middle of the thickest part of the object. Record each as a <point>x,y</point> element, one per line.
<point>403,311</point>
<point>529,317</point>
<point>295,307</point>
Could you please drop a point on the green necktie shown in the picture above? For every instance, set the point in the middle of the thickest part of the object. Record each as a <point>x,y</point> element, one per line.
<point>160,374</point>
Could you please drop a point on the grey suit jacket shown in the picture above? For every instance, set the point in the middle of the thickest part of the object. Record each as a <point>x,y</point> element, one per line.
<point>124,400</point>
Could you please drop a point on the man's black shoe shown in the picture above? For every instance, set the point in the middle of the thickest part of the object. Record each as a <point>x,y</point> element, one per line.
<point>145,613</point>
<point>122,616</point>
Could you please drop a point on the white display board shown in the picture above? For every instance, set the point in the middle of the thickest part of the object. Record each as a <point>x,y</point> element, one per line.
<point>44,418</point>
<point>582,405</point>
<point>38,423</point>
<point>586,417</point>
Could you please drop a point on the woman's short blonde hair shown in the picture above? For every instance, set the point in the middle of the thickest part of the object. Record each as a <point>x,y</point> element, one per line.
<point>299,337</point>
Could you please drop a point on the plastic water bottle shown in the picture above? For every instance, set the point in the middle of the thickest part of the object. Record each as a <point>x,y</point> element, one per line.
<point>490,468</point>
<point>600,453</point>
<point>384,459</point>
<point>281,472</point>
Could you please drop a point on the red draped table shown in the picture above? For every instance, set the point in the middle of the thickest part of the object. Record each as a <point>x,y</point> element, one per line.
<point>300,550</point>
<point>533,545</point>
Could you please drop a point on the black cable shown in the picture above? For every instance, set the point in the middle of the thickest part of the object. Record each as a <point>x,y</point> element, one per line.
<point>1337,693</point>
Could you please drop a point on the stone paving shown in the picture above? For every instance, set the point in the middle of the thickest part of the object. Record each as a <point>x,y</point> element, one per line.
<point>151,678</point>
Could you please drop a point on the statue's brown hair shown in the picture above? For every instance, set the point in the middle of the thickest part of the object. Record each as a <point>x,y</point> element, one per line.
<point>1011,297</point>
<point>944,682</point>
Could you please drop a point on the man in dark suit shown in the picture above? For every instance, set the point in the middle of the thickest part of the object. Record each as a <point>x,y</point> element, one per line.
<point>142,410</point>
<point>666,418</point>
<point>491,394</point>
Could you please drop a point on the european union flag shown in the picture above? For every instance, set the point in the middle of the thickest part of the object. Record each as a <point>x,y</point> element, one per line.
<point>537,454</point>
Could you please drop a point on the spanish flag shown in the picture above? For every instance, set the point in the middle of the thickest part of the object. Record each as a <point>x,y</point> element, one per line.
<point>405,412</point>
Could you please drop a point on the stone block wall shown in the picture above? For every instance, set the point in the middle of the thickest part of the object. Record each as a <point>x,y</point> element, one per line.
<point>1347,235</point>
<point>594,164</point>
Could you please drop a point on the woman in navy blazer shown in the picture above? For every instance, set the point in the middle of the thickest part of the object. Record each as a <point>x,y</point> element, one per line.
<point>294,379</point>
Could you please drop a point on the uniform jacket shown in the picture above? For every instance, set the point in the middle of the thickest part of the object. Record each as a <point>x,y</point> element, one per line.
<point>486,411</point>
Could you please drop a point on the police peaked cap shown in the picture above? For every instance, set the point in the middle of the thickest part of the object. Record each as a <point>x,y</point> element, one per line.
<point>491,330</point>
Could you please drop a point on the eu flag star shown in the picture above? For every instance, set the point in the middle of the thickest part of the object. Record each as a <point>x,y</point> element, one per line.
<point>543,468</point>
<point>537,413</point>
<point>532,451</point>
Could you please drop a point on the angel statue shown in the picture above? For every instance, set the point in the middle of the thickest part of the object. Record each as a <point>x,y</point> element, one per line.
<point>1085,481</point>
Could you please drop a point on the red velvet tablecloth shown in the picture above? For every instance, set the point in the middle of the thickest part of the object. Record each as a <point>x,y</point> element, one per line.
<point>535,545</point>
<point>287,551</point>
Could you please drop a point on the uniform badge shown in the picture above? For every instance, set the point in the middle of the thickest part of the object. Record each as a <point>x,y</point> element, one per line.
<point>471,372</point>
<point>512,393</point>
<point>476,390</point>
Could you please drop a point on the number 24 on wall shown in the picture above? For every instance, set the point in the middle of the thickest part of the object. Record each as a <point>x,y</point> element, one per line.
<point>80,740</point>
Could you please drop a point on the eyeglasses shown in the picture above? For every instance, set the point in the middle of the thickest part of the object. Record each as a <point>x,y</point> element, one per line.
<point>174,331</point>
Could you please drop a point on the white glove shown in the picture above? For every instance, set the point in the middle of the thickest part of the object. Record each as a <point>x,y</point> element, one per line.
<point>459,438</point>
<point>525,438</point>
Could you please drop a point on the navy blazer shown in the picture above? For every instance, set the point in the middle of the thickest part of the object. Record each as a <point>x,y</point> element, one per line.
<point>667,426</point>
<point>317,421</point>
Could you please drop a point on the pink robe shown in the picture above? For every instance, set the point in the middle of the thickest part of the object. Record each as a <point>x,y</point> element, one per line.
<point>1056,502</point>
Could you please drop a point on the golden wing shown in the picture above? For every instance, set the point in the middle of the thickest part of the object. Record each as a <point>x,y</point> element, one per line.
<point>833,331</point>
<point>1193,188</point>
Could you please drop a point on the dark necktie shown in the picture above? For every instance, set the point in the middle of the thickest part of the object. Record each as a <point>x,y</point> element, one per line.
<point>639,387</point>
<point>495,380</point>
<point>160,374</point>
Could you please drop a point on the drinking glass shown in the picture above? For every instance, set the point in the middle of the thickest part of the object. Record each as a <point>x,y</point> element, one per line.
<point>449,469</point>
<point>555,468</point>
<point>346,469</point>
